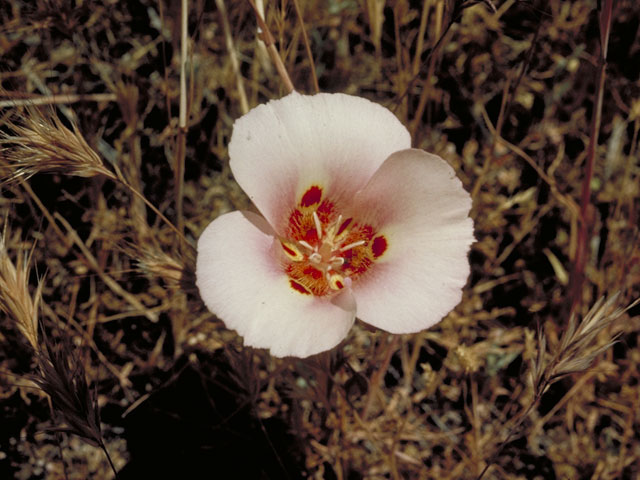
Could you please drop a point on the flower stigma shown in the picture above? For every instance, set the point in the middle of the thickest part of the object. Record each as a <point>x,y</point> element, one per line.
<point>323,251</point>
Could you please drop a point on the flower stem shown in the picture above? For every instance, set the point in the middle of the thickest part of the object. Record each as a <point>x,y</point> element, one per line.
<point>577,273</point>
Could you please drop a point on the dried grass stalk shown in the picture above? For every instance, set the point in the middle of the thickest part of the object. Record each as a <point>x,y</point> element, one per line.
<point>575,352</point>
<point>60,374</point>
<point>42,143</point>
<point>15,299</point>
<point>578,345</point>
<point>63,378</point>
<point>156,263</point>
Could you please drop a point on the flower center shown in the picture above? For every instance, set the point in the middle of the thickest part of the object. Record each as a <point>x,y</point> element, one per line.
<point>324,251</point>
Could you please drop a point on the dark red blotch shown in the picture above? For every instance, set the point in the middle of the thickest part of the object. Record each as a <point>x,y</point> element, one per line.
<point>311,196</point>
<point>379,246</point>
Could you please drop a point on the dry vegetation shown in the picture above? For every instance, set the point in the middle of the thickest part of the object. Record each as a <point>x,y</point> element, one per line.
<point>107,353</point>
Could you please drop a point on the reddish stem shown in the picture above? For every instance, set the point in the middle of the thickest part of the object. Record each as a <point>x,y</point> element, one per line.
<point>577,273</point>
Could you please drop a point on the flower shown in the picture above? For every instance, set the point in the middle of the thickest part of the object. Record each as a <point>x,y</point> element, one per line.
<point>354,222</point>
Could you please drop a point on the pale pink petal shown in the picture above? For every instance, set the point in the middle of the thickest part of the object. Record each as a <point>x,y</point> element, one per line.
<point>241,281</point>
<point>280,149</point>
<point>419,205</point>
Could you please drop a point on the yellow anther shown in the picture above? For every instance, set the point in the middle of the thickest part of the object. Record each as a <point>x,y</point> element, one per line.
<point>291,250</point>
<point>336,281</point>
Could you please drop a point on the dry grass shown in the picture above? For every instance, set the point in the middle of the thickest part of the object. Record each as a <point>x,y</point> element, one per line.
<point>42,143</point>
<point>106,189</point>
<point>16,302</point>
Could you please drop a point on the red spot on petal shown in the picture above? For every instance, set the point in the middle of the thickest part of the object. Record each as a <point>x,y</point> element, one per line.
<point>379,246</point>
<point>288,250</point>
<point>365,232</point>
<point>344,225</point>
<point>325,210</point>
<point>299,287</point>
<point>312,272</point>
<point>311,236</point>
<point>311,196</point>
<point>339,284</point>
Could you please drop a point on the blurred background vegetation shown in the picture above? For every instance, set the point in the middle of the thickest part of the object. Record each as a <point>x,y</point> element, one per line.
<point>100,308</point>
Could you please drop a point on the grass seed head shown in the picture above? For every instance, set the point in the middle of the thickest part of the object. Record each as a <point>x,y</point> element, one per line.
<point>15,299</point>
<point>41,143</point>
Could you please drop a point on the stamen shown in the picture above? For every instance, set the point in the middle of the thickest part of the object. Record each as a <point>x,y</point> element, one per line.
<point>336,281</point>
<point>352,245</point>
<point>318,225</point>
<point>332,229</point>
<point>306,245</point>
<point>336,261</point>
<point>343,226</point>
<point>323,251</point>
<point>291,251</point>
<point>315,258</point>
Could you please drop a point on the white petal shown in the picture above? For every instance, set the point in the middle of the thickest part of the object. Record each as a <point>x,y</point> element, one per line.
<point>419,205</point>
<point>279,149</point>
<point>242,282</point>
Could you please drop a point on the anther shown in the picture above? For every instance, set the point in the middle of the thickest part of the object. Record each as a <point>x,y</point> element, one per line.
<point>315,257</point>
<point>306,245</point>
<point>336,261</point>
<point>291,251</point>
<point>336,281</point>
<point>332,229</point>
<point>316,220</point>
<point>352,245</point>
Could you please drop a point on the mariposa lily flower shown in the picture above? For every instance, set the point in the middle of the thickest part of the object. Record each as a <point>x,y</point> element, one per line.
<point>354,222</point>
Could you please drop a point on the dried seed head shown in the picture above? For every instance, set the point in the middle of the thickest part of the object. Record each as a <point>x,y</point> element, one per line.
<point>158,264</point>
<point>578,346</point>
<point>42,143</point>
<point>15,299</point>
<point>63,378</point>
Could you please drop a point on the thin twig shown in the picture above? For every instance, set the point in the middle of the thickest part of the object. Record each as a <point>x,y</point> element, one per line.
<point>426,87</point>
<point>577,272</point>
<point>155,210</point>
<point>497,133</point>
<point>376,379</point>
<point>164,63</point>
<point>415,69</point>
<point>307,47</point>
<point>106,453</point>
<point>269,41</point>
<point>508,94</point>
<point>109,282</point>
<point>57,99</point>
<point>182,121</point>
<point>233,56</point>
